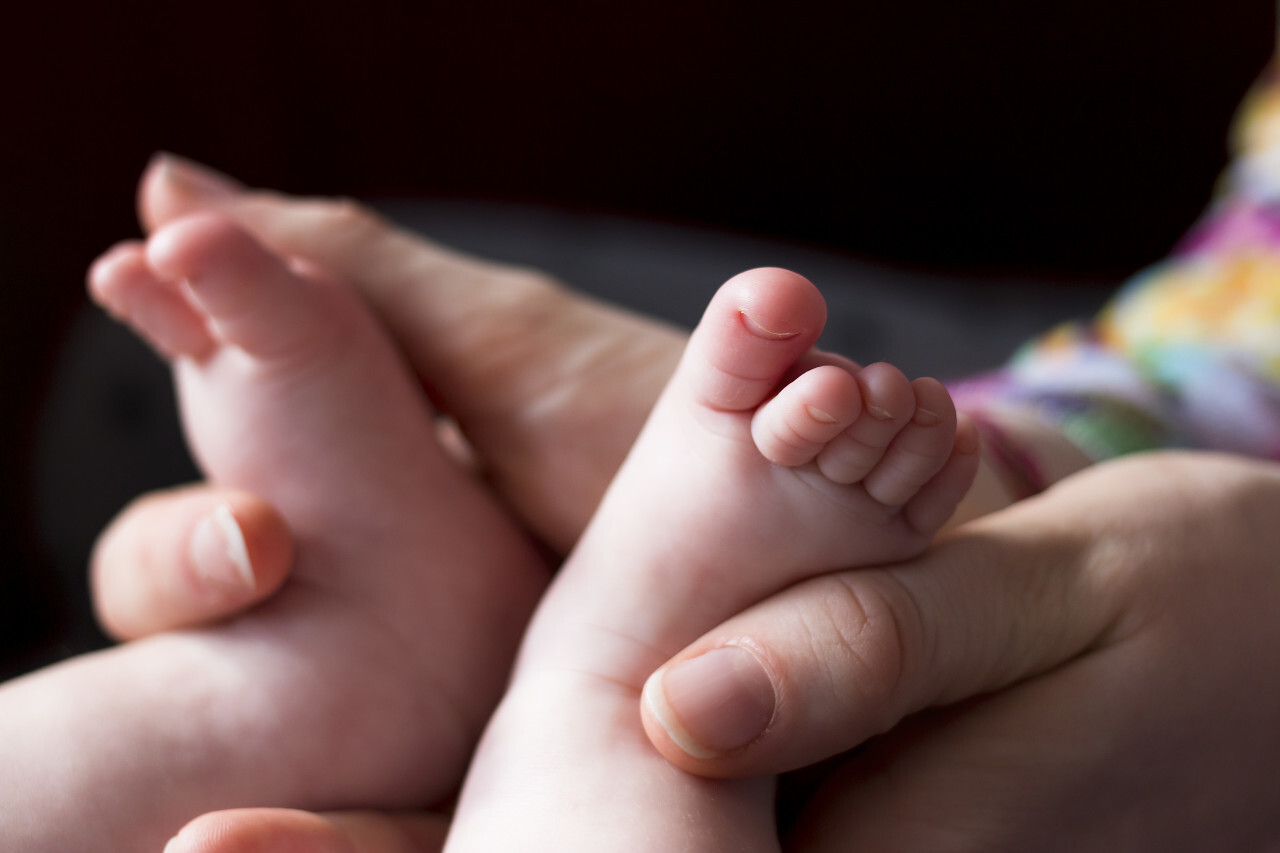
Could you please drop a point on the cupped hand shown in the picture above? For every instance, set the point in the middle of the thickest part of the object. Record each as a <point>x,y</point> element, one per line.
<point>1092,669</point>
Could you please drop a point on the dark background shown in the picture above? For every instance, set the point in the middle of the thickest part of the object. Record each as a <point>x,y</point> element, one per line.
<point>1069,141</point>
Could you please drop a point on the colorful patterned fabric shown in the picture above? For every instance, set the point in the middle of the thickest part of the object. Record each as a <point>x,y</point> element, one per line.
<point>1188,353</point>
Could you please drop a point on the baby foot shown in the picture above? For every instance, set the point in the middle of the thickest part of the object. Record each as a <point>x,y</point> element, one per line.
<point>371,674</point>
<point>548,386</point>
<point>763,463</point>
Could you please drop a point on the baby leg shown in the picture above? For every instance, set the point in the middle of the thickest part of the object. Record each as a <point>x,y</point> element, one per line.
<point>289,388</point>
<point>367,679</point>
<point>747,477</point>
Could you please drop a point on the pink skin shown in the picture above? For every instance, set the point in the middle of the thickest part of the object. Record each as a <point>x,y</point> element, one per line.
<point>724,499</point>
<point>335,692</point>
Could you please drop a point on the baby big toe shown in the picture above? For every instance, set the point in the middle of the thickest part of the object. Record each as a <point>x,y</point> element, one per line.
<point>254,298</point>
<point>751,334</point>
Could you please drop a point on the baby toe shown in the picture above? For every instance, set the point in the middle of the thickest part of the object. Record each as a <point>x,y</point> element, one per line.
<point>919,451</point>
<point>888,403</point>
<point>806,415</point>
<point>752,332</point>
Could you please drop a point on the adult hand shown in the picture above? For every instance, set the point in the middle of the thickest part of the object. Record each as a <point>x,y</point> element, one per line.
<point>1091,669</point>
<point>1102,661</point>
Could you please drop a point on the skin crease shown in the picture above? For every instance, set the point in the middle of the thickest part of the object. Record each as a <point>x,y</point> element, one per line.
<point>1140,548</point>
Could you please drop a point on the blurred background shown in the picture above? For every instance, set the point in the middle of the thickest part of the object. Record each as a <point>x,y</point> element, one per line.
<point>1024,152</point>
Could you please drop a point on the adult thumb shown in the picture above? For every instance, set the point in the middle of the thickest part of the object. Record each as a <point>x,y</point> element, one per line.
<point>828,663</point>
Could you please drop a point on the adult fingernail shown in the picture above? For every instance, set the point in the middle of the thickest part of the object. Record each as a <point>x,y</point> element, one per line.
<point>194,178</point>
<point>218,550</point>
<point>713,704</point>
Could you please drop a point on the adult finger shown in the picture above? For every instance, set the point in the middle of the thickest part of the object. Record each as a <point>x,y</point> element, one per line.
<point>1089,756</point>
<point>418,287</point>
<point>290,831</point>
<point>185,557</point>
<point>434,300</point>
<point>1177,707</point>
<point>828,663</point>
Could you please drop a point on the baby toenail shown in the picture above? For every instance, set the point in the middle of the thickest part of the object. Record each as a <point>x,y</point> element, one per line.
<point>819,415</point>
<point>924,417</point>
<point>760,330</point>
<point>879,413</point>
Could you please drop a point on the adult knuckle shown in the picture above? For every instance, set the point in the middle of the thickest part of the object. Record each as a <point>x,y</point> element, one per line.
<point>350,215</point>
<point>871,632</point>
<point>342,218</point>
